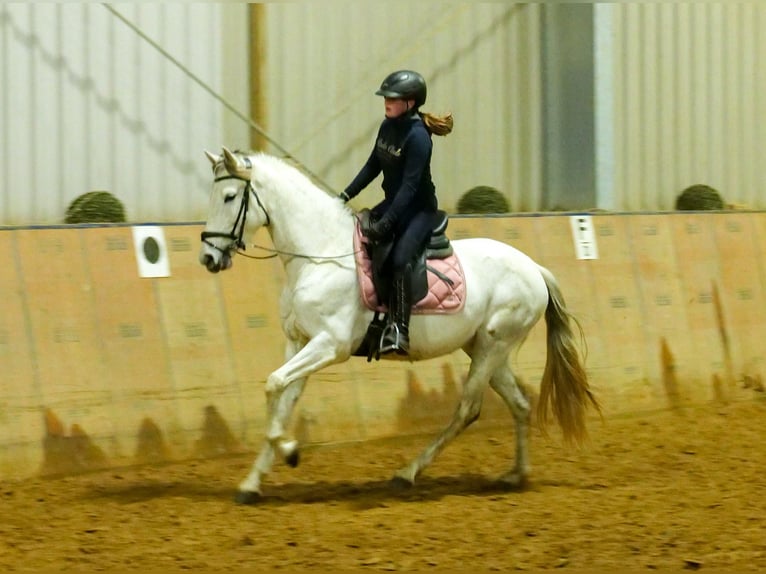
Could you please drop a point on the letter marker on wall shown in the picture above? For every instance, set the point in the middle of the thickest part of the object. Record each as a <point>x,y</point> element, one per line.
<point>584,237</point>
<point>151,251</point>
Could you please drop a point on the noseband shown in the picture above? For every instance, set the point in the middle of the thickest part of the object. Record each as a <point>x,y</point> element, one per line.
<point>238,229</point>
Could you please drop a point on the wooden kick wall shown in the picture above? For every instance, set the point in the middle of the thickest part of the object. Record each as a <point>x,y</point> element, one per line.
<point>103,368</point>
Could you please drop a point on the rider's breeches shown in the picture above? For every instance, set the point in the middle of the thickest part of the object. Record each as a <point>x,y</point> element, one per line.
<point>412,240</point>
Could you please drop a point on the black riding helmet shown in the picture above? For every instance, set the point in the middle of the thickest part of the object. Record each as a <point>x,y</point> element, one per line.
<point>404,84</point>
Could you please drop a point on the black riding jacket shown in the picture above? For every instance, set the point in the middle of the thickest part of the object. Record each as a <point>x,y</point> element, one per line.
<point>402,151</point>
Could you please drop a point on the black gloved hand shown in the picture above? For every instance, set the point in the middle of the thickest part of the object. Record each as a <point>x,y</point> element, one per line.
<point>379,230</point>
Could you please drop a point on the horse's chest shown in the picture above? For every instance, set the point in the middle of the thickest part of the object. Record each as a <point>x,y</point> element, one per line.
<point>298,315</point>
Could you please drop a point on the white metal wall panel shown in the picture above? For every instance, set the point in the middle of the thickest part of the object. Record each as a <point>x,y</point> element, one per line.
<point>481,62</point>
<point>86,104</point>
<point>688,105</point>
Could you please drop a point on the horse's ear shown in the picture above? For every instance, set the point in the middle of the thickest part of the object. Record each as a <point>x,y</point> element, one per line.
<point>234,165</point>
<point>214,159</point>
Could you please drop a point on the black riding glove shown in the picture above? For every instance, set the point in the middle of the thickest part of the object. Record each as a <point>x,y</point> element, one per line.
<point>379,230</point>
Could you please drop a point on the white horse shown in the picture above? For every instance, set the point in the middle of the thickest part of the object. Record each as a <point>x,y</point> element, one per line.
<point>325,320</point>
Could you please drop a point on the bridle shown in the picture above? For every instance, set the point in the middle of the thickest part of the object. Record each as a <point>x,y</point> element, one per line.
<point>236,235</point>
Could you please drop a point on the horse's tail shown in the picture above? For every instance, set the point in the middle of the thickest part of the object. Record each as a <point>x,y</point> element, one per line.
<point>565,384</point>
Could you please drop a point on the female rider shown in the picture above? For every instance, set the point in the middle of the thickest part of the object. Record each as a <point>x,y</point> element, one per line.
<point>402,151</point>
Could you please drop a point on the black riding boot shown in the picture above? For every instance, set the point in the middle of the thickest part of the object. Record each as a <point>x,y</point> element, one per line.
<point>396,335</point>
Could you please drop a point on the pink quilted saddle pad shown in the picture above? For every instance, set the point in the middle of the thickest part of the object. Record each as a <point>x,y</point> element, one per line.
<point>441,297</point>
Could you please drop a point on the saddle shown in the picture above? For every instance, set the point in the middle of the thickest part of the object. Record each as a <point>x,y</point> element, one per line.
<point>437,280</point>
<point>438,247</point>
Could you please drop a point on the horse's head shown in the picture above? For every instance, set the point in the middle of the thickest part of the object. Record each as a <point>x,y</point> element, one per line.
<point>230,217</point>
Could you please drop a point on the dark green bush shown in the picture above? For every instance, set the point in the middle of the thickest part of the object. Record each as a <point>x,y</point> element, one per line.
<point>699,197</point>
<point>95,207</point>
<point>483,199</point>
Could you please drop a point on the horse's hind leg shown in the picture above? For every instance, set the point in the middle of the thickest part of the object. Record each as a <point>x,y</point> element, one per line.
<point>504,384</point>
<point>466,413</point>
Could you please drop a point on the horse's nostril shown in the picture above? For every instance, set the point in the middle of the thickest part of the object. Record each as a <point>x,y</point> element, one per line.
<point>208,260</point>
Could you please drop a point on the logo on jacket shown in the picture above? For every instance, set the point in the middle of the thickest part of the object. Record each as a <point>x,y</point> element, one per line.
<point>390,149</point>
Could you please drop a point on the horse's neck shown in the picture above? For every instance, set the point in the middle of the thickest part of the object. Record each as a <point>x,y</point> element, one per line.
<point>308,222</point>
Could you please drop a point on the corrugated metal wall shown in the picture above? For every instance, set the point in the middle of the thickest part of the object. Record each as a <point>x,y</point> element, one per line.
<point>688,101</point>
<point>85,104</point>
<point>481,61</point>
<point>678,105</point>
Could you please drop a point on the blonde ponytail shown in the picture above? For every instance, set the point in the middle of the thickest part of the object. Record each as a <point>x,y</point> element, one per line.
<point>437,125</point>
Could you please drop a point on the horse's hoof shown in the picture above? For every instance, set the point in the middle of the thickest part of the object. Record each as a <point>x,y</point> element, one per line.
<point>290,452</point>
<point>401,483</point>
<point>247,497</point>
<point>513,481</point>
<point>293,458</point>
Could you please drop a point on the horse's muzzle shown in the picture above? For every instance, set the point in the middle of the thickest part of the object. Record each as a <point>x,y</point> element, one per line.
<point>215,264</point>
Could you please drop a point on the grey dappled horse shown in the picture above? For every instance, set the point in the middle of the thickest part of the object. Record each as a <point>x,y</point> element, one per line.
<point>325,320</point>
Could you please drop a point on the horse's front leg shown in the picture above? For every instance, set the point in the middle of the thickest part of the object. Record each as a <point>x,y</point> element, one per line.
<point>283,389</point>
<point>250,488</point>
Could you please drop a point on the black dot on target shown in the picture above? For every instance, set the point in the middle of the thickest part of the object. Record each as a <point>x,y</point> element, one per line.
<point>151,250</point>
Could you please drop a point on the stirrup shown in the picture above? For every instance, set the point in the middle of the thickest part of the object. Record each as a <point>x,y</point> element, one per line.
<point>394,340</point>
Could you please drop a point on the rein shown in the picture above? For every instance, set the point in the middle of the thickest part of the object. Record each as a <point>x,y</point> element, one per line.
<point>275,252</point>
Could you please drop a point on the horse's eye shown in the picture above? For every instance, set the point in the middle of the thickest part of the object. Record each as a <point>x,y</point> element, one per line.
<point>229,197</point>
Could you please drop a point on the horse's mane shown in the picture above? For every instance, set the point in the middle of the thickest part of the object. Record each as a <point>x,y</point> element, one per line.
<point>280,167</point>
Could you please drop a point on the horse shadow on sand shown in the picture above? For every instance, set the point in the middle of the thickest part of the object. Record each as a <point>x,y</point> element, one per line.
<point>360,494</point>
